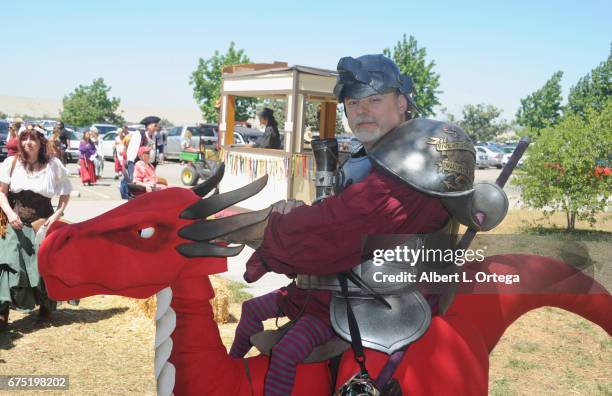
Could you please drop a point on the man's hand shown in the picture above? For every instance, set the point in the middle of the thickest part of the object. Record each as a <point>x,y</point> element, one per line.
<point>253,235</point>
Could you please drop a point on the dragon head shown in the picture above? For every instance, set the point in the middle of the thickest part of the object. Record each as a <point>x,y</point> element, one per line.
<point>146,244</point>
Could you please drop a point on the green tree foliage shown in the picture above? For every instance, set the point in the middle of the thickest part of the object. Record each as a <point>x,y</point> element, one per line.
<point>3,115</point>
<point>542,108</point>
<point>480,122</point>
<point>411,61</point>
<point>593,90</point>
<point>206,82</point>
<point>89,104</point>
<point>559,173</point>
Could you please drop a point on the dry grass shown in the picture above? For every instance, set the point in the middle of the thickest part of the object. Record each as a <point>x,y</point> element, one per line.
<point>106,344</point>
<point>550,351</point>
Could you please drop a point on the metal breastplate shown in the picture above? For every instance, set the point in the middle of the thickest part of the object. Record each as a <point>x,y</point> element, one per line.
<point>383,329</point>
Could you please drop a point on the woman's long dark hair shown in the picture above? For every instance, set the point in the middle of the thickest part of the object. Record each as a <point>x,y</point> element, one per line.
<point>272,122</point>
<point>43,156</point>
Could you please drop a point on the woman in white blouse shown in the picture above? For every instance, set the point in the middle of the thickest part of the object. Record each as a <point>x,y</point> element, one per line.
<point>28,181</point>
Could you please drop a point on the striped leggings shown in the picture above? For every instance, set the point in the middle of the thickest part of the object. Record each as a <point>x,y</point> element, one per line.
<point>307,333</point>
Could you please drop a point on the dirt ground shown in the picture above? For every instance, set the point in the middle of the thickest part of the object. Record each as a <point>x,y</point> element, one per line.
<point>106,345</point>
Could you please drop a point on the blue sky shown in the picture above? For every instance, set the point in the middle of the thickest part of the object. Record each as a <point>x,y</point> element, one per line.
<point>486,52</point>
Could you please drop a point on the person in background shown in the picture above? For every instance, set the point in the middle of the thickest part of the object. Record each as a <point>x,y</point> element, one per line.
<point>28,181</point>
<point>99,157</point>
<point>137,139</point>
<point>64,138</point>
<point>144,172</point>
<point>87,151</point>
<point>271,137</point>
<point>186,144</point>
<point>160,141</point>
<point>55,145</point>
<point>12,140</point>
<point>119,151</point>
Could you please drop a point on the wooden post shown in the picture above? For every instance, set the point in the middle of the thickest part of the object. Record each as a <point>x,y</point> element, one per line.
<point>230,114</point>
<point>327,120</point>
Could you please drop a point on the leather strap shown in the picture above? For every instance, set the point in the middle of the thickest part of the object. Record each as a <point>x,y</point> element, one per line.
<point>360,357</point>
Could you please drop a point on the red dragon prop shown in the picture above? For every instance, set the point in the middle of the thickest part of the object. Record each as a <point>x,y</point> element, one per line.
<point>144,254</point>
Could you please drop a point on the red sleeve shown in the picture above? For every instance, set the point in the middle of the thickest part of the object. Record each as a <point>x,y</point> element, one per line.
<point>327,238</point>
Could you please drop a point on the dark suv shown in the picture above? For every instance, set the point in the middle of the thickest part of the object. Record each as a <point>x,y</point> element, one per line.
<point>4,128</point>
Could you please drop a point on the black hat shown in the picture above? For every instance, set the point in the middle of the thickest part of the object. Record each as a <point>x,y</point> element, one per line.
<point>150,120</point>
<point>266,113</point>
<point>370,75</point>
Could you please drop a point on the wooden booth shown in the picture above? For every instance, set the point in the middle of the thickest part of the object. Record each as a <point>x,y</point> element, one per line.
<point>290,170</point>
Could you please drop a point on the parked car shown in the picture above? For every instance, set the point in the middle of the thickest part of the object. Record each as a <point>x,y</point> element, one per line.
<point>103,129</point>
<point>482,159</point>
<point>4,127</point>
<point>108,145</point>
<point>495,156</point>
<point>176,135</point>
<point>508,150</point>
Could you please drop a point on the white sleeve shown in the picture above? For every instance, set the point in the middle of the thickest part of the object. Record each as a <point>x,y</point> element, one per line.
<point>5,170</point>
<point>61,183</point>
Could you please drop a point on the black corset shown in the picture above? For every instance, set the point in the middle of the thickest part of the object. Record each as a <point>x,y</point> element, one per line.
<point>30,206</point>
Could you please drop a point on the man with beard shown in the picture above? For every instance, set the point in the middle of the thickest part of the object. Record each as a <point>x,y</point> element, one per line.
<point>326,238</point>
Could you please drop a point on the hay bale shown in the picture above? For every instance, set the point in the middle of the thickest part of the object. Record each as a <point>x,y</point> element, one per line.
<point>220,304</point>
<point>147,307</point>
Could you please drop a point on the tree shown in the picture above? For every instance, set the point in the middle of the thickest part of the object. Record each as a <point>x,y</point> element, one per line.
<point>206,82</point>
<point>542,108</point>
<point>411,61</point>
<point>479,122</point>
<point>450,117</point>
<point>593,90</point>
<point>3,115</point>
<point>559,173</point>
<point>90,104</point>
<point>164,123</point>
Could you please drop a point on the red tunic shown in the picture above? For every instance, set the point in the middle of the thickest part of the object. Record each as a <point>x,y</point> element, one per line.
<point>327,238</point>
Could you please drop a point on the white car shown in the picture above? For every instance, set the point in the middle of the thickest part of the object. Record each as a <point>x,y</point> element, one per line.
<point>507,155</point>
<point>103,129</point>
<point>482,159</point>
<point>494,156</point>
<point>108,145</point>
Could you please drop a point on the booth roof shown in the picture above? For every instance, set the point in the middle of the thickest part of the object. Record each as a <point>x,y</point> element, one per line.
<point>301,69</point>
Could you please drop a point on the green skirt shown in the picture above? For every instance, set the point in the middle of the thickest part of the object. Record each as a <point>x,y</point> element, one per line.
<point>20,283</point>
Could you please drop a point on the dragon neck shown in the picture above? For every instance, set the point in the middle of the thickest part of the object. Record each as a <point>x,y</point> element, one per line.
<point>544,281</point>
<point>196,359</point>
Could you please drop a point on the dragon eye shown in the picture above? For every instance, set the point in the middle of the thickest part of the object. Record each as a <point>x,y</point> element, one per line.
<point>146,233</point>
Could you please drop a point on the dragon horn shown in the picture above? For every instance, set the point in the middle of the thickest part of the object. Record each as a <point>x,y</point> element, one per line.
<point>206,230</point>
<point>215,203</point>
<point>207,185</point>
<point>203,249</point>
